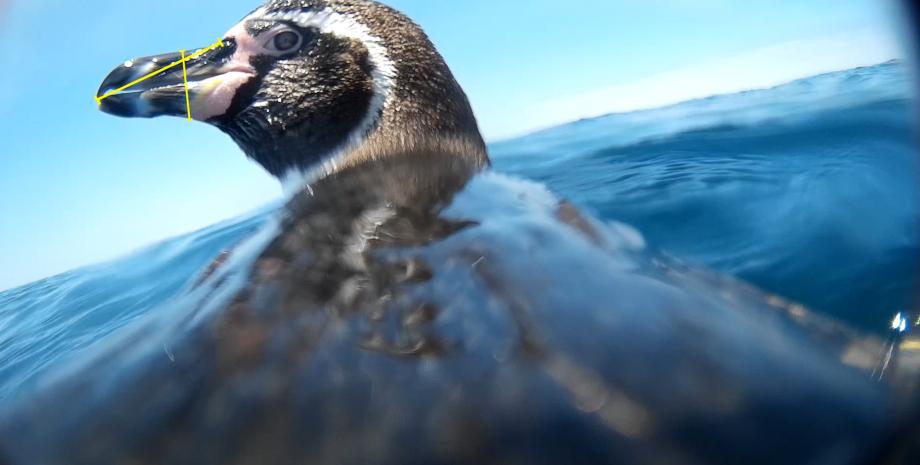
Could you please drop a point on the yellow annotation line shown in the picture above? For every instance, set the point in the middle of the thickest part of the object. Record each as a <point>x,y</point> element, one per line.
<point>188,103</point>
<point>110,93</point>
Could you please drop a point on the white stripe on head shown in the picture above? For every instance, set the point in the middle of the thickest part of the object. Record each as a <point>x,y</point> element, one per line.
<point>384,74</point>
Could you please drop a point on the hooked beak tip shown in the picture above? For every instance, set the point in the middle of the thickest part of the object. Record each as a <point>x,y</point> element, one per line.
<point>199,85</point>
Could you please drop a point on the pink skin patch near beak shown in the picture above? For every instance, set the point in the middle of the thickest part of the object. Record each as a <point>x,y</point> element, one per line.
<point>214,95</point>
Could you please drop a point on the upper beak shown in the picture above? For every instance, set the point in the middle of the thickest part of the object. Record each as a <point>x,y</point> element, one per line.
<point>156,85</point>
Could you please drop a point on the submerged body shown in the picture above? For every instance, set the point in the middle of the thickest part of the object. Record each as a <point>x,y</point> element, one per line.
<point>462,321</point>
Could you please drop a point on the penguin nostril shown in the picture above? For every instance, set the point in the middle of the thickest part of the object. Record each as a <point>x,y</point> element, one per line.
<point>222,53</point>
<point>229,47</point>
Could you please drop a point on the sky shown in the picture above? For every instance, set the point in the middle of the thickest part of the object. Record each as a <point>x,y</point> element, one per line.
<point>78,187</point>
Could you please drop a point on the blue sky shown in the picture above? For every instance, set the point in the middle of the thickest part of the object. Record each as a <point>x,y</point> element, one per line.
<point>79,187</point>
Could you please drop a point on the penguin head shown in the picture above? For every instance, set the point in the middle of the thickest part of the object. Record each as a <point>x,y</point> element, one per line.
<point>306,87</point>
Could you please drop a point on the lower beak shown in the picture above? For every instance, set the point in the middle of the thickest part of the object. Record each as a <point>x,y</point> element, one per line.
<point>156,85</point>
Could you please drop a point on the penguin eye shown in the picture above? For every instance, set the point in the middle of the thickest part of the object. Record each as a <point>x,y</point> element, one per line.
<point>285,41</point>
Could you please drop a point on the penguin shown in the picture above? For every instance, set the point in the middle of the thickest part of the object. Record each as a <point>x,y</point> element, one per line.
<point>369,84</point>
<point>409,305</point>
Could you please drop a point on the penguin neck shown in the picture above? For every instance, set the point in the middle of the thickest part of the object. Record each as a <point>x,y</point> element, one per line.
<point>421,109</point>
<point>397,134</point>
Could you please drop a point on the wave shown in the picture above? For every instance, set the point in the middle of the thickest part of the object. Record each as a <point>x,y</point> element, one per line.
<point>808,190</point>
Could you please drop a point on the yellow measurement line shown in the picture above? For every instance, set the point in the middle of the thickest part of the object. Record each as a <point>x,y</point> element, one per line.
<point>110,93</point>
<point>188,104</point>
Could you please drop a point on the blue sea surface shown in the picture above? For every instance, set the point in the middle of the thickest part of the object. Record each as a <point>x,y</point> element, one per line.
<point>810,191</point>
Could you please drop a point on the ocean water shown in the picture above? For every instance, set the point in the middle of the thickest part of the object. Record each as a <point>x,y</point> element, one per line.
<point>809,190</point>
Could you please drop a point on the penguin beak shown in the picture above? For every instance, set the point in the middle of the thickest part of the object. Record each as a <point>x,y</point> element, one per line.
<point>156,85</point>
